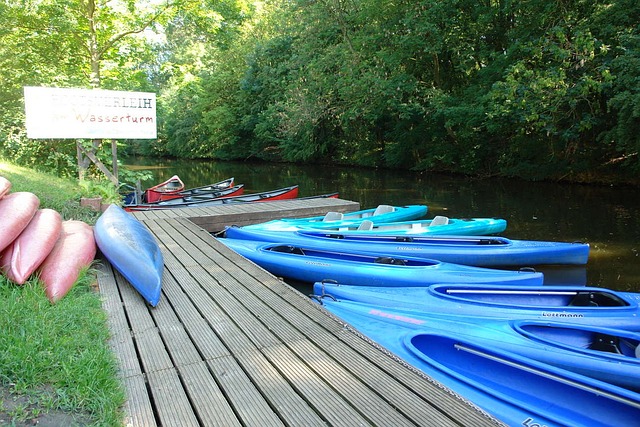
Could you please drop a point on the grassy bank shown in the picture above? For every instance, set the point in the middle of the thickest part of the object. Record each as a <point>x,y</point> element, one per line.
<point>55,364</point>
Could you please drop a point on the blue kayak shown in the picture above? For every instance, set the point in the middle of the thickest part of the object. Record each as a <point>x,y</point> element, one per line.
<point>486,251</point>
<point>571,304</point>
<point>383,213</point>
<point>438,226</point>
<point>310,264</point>
<point>131,249</point>
<point>476,361</point>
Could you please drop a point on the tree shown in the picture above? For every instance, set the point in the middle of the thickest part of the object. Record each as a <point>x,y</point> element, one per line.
<point>80,43</point>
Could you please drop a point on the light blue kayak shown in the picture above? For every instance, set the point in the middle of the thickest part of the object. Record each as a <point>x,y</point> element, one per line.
<point>485,251</point>
<point>570,304</point>
<point>310,264</point>
<point>132,250</point>
<point>438,226</point>
<point>383,213</point>
<point>500,371</point>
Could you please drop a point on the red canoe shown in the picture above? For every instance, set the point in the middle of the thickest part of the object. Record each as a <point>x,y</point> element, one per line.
<point>173,185</point>
<point>187,200</point>
<point>33,245</point>
<point>196,191</point>
<point>267,196</point>
<point>74,250</point>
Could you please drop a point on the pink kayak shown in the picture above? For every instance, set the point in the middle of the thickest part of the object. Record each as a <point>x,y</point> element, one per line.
<point>16,211</point>
<point>74,250</point>
<point>5,186</point>
<point>22,257</point>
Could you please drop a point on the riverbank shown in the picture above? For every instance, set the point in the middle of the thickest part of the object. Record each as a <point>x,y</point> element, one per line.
<point>56,367</point>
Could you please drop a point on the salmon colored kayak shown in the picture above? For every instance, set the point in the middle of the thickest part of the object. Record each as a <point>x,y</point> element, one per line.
<point>16,211</point>
<point>74,250</point>
<point>5,186</point>
<point>22,257</point>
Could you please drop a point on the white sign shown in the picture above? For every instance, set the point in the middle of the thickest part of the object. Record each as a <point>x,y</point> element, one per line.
<point>59,113</point>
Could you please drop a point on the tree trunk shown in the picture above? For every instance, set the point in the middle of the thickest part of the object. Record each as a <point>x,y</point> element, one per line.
<point>94,80</point>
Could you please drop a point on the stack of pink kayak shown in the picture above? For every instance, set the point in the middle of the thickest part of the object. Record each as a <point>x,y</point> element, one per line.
<point>38,240</point>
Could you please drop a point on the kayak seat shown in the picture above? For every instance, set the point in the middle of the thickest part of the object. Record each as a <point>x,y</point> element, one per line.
<point>489,242</point>
<point>439,220</point>
<point>389,260</point>
<point>598,299</point>
<point>332,216</point>
<point>383,209</point>
<point>583,299</point>
<point>288,249</point>
<point>606,343</point>
<point>366,225</point>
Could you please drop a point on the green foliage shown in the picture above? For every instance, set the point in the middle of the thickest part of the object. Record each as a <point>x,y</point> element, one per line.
<point>537,89</point>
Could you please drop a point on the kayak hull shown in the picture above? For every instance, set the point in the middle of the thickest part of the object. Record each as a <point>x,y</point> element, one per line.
<point>311,264</point>
<point>169,187</point>
<point>570,304</point>
<point>16,211</point>
<point>5,186</point>
<point>429,227</point>
<point>74,250</point>
<point>468,250</point>
<point>514,386</point>
<point>132,250</point>
<point>279,194</point>
<point>184,201</point>
<point>25,254</point>
<point>202,190</point>
<point>383,213</point>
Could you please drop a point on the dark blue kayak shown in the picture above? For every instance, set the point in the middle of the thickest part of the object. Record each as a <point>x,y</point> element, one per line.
<point>485,251</point>
<point>309,264</point>
<point>132,250</point>
<point>571,304</point>
<point>477,360</point>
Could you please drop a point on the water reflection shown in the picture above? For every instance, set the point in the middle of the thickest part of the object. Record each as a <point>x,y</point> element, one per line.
<point>605,217</point>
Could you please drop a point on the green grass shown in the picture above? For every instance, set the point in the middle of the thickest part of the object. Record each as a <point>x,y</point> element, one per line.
<point>56,355</point>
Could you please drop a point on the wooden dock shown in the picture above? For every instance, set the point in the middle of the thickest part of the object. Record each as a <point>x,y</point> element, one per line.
<point>231,345</point>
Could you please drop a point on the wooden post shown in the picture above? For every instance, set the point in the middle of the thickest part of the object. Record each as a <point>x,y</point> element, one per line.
<point>99,164</point>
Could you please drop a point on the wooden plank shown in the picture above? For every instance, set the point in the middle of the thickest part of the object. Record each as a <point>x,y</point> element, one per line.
<point>171,402</point>
<point>283,394</point>
<point>229,344</point>
<point>121,341</point>
<point>260,374</point>
<point>215,218</point>
<point>209,401</point>
<point>237,312</point>
<point>138,409</point>
<point>254,305</point>
<point>245,398</point>
<point>288,304</point>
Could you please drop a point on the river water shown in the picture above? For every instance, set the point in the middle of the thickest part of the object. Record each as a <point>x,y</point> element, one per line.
<point>606,217</point>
